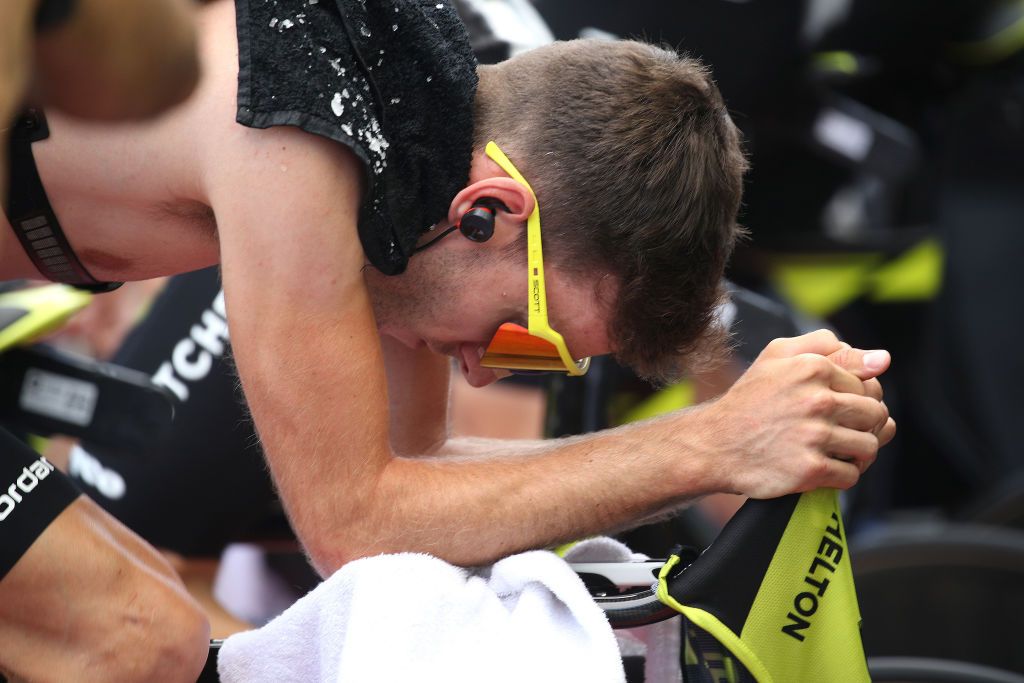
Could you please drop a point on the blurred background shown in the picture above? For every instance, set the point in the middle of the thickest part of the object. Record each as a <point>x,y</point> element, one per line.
<point>885,200</point>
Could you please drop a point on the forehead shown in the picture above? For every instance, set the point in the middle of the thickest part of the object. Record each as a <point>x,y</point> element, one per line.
<point>579,307</point>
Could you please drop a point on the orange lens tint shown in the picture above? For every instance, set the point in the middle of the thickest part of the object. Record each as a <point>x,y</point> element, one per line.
<point>514,348</point>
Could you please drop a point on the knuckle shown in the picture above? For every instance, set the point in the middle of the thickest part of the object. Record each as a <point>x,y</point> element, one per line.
<point>843,356</point>
<point>821,402</point>
<point>811,367</point>
<point>815,434</point>
<point>826,334</point>
<point>817,470</point>
<point>869,460</point>
<point>873,388</point>
<point>850,481</point>
<point>869,447</point>
<point>882,414</point>
<point>776,347</point>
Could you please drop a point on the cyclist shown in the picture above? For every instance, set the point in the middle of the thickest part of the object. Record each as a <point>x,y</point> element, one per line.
<point>81,597</point>
<point>339,335</point>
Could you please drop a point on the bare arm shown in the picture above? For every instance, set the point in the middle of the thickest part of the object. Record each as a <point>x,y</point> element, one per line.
<point>312,368</point>
<point>90,601</point>
<point>116,59</point>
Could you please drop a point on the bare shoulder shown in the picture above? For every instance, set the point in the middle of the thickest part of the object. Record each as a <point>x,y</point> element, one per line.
<point>282,164</point>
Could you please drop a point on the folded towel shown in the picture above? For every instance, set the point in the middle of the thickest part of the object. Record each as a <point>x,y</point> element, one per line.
<point>412,617</point>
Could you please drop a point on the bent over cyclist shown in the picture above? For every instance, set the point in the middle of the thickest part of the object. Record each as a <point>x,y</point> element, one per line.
<point>323,143</point>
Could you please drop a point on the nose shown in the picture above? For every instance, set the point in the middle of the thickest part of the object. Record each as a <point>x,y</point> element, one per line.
<point>476,374</point>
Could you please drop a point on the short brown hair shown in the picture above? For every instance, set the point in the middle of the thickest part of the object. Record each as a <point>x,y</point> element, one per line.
<point>638,171</point>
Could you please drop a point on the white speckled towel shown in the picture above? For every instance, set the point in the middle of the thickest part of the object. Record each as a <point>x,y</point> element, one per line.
<point>409,617</point>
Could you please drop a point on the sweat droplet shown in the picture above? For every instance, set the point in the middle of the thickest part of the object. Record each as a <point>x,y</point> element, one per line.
<point>365,32</point>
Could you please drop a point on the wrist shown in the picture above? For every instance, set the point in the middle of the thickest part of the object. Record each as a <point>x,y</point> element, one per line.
<point>706,470</point>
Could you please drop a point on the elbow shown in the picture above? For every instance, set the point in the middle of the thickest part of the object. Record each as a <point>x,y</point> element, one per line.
<point>330,551</point>
<point>328,555</point>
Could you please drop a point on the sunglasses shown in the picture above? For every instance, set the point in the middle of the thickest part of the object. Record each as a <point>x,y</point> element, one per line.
<point>537,348</point>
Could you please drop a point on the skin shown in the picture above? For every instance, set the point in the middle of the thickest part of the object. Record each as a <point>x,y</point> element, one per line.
<point>94,602</point>
<point>90,601</point>
<point>338,409</point>
<point>109,60</point>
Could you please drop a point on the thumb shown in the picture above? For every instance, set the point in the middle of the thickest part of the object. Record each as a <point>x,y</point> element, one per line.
<point>864,364</point>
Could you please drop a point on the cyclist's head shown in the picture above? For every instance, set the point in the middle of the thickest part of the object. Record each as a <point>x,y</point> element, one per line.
<point>638,169</point>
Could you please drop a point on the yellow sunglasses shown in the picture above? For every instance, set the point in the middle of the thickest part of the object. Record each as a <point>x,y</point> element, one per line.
<point>539,348</point>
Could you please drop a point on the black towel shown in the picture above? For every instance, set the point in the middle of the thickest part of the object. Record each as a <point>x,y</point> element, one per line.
<point>394,80</point>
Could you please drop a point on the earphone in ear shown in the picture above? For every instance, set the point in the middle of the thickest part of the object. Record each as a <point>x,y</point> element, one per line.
<point>477,224</point>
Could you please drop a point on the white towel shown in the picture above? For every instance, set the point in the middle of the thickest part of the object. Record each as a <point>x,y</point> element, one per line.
<point>408,617</point>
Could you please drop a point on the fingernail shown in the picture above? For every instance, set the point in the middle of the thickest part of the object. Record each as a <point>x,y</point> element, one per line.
<point>875,360</point>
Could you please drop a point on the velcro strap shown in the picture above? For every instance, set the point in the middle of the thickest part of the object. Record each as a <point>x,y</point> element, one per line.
<point>32,217</point>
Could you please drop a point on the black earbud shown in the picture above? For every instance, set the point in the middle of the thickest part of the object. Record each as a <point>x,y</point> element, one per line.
<point>477,224</point>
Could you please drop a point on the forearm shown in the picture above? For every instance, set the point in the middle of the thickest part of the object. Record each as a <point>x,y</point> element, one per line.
<point>488,499</point>
<point>475,447</point>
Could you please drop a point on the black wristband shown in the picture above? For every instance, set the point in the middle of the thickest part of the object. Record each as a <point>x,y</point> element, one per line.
<point>32,493</point>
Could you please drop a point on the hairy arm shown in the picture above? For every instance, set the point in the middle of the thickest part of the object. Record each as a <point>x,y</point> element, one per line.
<point>313,371</point>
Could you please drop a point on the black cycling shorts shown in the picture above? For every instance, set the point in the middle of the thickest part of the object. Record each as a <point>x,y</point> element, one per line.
<point>32,493</point>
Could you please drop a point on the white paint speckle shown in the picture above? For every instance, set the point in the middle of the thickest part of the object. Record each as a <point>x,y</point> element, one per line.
<point>336,106</point>
<point>346,129</point>
<point>394,27</point>
<point>429,78</point>
<point>336,65</point>
<point>365,32</point>
<point>439,6</point>
<point>396,100</point>
<point>273,22</point>
<point>344,93</point>
<point>287,23</point>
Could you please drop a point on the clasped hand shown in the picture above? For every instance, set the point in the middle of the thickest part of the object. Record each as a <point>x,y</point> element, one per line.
<point>807,414</point>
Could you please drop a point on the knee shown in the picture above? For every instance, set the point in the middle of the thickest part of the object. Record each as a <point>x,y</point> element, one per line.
<point>188,641</point>
<point>169,641</point>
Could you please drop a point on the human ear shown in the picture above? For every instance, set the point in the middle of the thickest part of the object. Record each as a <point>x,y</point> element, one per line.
<point>514,196</point>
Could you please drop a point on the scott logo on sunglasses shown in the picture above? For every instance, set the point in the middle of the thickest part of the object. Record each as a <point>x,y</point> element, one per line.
<point>536,294</point>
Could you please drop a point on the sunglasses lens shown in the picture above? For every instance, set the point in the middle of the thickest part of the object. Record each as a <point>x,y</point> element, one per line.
<point>514,348</point>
